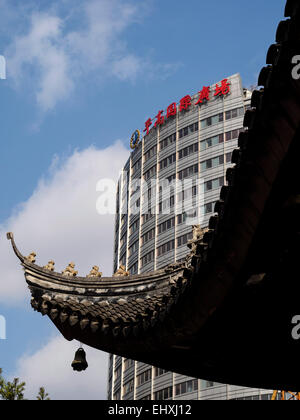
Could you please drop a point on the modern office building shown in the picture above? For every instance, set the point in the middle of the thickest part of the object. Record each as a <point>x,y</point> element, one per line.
<point>170,182</point>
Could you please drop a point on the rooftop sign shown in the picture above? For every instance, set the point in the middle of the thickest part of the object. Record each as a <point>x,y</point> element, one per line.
<point>186,102</point>
<point>205,95</point>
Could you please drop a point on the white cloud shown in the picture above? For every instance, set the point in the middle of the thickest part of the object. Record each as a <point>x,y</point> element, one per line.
<point>57,49</point>
<point>59,221</point>
<point>127,68</point>
<point>41,47</point>
<point>50,367</point>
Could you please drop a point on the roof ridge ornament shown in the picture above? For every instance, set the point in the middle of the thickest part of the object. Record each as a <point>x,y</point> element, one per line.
<point>121,271</point>
<point>31,258</point>
<point>50,265</point>
<point>69,271</point>
<point>95,272</point>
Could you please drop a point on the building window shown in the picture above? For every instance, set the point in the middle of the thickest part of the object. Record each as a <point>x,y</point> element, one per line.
<point>147,217</point>
<point>159,372</point>
<point>166,204</point>
<point>128,387</point>
<point>134,227</point>
<point>234,113</point>
<point>214,184</point>
<point>144,377</point>
<point>186,194</point>
<point>183,240</point>
<point>212,120</point>
<point>152,152</point>
<point>134,188</point>
<point>117,395</point>
<point>150,173</point>
<point>188,130</point>
<point>128,363</point>
<point>185,387</point>
<point>187,151</point>
<point>228,157</point>
<point>148,236</point>
<point>212,163</point>
<point>164,394</point>
<point>146,259</point>
<point>123,240</point>
<point>118,372</point>
<point>234,134</point>
<point>167,161</point>
<point>136,167</point>
<point>167,247</point>
<point>123,259</point>
<point>168,224</point>
<point>133,248</point>
<point>192,214</point>
<point>171,178</point>
<point>134,268</point>
<point>167,141</point>
<point>188,172</point>
<point>208,208</point>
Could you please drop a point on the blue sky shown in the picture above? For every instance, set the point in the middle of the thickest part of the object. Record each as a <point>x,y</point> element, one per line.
<point>81,77</point>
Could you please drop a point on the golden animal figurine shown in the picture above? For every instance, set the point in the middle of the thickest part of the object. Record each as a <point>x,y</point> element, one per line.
<point>50,266</point>
<point>121,272</point>
<point>69,271</point>
<point>31,258</point>
<point>197,232</point>
<point>95,272</point>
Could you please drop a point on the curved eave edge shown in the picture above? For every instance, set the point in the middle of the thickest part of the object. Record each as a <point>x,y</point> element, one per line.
<point>88,287</point>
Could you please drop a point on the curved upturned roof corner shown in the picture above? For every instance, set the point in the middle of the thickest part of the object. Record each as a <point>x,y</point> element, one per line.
<point>211,316</point>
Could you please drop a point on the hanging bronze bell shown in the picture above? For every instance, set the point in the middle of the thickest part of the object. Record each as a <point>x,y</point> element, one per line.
<point>79,363</point>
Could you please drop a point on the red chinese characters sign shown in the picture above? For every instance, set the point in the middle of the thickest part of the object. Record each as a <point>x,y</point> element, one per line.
<point>222,89</point>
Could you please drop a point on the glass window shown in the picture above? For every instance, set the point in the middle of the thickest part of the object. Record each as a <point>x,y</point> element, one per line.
<point>234,113</point>
<point>235,134</point>
<point>215,119</point>
<point>183,388</point>
<point>228,136</point>
<point>208,185</point>
<point>189,386</point>
<point>241,112</point>
<point>228,115</point>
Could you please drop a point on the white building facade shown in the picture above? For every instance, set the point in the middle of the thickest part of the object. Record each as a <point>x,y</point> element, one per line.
<point>172,181</point>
